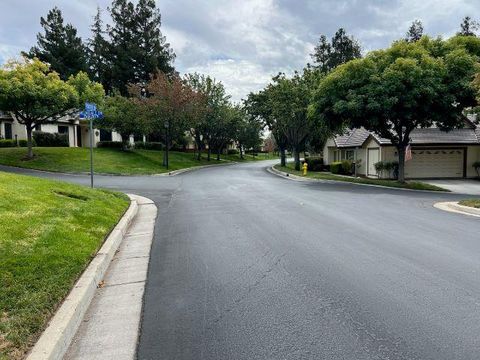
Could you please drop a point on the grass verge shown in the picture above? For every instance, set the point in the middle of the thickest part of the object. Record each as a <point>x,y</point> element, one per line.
<point>412,185</point>
<point>106,161</point>
<point>474,203</point>
<point>49,232</point>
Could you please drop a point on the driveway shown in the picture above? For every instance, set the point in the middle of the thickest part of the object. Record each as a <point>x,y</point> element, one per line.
<point>465,186</point>
<point>248,265</point>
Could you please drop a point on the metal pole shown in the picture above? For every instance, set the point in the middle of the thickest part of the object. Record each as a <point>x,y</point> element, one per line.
<point>91,152</point>
<point>166,138</point>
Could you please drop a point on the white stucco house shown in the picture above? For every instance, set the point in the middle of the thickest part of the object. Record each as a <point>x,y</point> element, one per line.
<point>435,153</point>
<point>76,129</point>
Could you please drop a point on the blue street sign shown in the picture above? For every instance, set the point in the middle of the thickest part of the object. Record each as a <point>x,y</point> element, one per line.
<point>90,107</point>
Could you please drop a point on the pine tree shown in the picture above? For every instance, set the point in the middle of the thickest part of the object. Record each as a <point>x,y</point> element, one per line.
<point>343,48</point>
<point>468,27</point>
<point>415,32</point>
<point>123,51</point>
<point>155,53</point>
<point>98,62</point>
<point>59,46</point>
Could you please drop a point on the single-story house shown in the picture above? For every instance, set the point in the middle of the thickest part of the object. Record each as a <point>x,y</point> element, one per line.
<point>435,153</point>
<point>76,129</point>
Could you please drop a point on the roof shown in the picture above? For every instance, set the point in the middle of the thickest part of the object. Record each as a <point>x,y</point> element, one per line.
<point>470,135</point>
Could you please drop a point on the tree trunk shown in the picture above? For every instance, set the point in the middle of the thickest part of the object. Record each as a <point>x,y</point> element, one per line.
<point>297,159</point>
<point>209,153</point>
<point>29,142</point>
<point>241,151</point>
<point>218,154</point>
<point>283,157</point>
<point>401,163</point>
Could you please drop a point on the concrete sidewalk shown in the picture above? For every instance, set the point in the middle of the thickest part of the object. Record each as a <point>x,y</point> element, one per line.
<point>111,325</point>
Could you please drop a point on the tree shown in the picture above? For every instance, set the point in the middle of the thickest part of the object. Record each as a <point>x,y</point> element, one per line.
<point>327,56</point>
<point>394,91</point>
<point>415,32</point>
<point>468,27</point>
<point>121,114</point>
<point>167,107</point>
<point>98,46</point>
<point>59,46</point>
<point>36,95</point>
<point>154,53</point>
<point>249,131</point>
<point>214,100</point>
<point>258,107</point>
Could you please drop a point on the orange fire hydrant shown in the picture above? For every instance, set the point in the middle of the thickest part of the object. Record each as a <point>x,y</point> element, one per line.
<point>305,168</point>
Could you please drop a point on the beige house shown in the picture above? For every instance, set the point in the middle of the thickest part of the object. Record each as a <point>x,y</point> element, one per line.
<point>76,129</point>
<point>435,153</point>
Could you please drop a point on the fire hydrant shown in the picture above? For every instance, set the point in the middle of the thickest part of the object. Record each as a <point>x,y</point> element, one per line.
<point>305,168</point>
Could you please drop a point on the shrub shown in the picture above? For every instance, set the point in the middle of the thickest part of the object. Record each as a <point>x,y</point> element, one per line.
<point>347,167</point>
<point>336,167</point>
<point>476,166</point>
<point>24,143</point>
<point>7,143</point>
<point>149,145</point>
<point>315,164</point>
<point>388,168</point>
<point>110,144</point>
<point>232,152</point>
<point>44,139</point>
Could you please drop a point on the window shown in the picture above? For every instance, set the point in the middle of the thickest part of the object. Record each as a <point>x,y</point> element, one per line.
<point>350,155</point>
<point>62,129</point>
<point>8,131</point>
<point>105,135</point>
<point>38,127</point>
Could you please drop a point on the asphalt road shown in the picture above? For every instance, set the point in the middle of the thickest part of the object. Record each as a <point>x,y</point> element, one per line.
<point>247,265</point>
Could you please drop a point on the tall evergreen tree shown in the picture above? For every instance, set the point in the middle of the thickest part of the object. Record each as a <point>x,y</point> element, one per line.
<point>341,49</point>
<point>415,32</point>
<point>154,52</point>
<point>98,62</point>
<point>468,27</point>
<point>59,46</point>
<point>122,49</point>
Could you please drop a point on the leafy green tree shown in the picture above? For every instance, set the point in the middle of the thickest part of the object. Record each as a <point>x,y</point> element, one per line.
<point>415,32</point>
<point>59,46</point>
<point>259,109</point>
<point>249,132</point>
<point>342,48</point>
<point>391,92</point>
<point>98,47</point>
<point>468,27</point>
<point>121,114</point>
<point>36,95</point>
<point>214,100</point>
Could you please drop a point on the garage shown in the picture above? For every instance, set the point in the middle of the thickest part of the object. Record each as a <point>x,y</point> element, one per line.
<point>435,163</point>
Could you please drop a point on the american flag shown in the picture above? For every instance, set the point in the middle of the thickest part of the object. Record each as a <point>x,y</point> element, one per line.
<point>408,153</point>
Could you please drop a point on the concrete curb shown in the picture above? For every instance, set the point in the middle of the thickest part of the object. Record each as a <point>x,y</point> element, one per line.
<point>181,171</point>
<point>455,207</point>
<point>55,340</point>
<point>293,177</point>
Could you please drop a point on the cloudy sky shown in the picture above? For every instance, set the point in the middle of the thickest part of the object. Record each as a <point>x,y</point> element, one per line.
<point>244,42</point>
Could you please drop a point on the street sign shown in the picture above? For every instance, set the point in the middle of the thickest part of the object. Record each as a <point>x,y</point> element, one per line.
<point>91,113</point>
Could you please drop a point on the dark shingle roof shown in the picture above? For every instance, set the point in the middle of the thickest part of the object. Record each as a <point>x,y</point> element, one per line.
<point>357,137</point>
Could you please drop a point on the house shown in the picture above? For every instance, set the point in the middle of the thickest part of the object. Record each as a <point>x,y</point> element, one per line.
<point>435,153</point>
<point>76,129</point>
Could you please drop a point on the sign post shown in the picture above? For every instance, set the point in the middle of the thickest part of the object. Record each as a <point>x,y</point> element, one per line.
<point>90,113</point>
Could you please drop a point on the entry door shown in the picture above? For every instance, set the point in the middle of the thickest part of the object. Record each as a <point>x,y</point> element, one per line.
<point>8,131</point>
<point>373,158</point>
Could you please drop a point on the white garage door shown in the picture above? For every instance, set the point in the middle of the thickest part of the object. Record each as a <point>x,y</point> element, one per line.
<point>435,163</point>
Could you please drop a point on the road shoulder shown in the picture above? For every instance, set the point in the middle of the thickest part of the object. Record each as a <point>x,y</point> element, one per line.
<point>455,207</point>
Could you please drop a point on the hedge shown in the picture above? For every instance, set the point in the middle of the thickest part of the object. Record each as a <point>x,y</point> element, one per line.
<point>336,167</point>
<point>110,144</point>
<point>315,164</point>
<point>7,143</point>
<point>44,139</point>
<point>149,145</point>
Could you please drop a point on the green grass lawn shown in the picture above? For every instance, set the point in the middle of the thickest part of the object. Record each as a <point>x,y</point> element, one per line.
<point>413,185</point>
<point>106,161</point>
<point>249,157</point>
<point>475,203</point>
<point>49,231</point>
